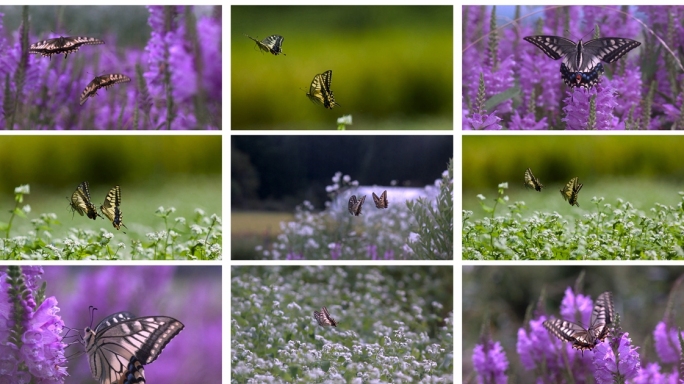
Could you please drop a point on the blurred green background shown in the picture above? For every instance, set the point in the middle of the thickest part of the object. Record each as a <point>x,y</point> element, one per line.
<point>392,66</point>
<point>152,171</point>
<point>639,169</point>
<point>503,294</point>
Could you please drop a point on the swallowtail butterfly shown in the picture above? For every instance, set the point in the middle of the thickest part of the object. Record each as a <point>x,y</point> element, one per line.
<point>581,338</point>
<point>319,91</point>
<point>65,45</point>
<point>110,207</point>
<point>531,181</point>
<point>581,65</point>
<point>324,319</point>
<point>104,81</point>
<point>134,373</point>
<point>271,44</point>
<point>120,337</point>
<point>380,202</point>
<point>571,190</point>
<point>80,201</point>
<point>355,205</point>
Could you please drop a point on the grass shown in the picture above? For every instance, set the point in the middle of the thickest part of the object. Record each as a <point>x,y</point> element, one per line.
<point>252,229</point>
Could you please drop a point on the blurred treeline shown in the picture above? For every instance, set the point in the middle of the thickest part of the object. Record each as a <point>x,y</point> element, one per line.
<point>500,297</point>
<point>392,66</point>
<point>490,160</point>
<point>279,172</point>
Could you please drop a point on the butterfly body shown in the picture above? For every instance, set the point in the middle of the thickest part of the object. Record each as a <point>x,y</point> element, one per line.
<point>104,81</point>
<point>65,45</point>
<point>80,201</point>
<point>586,338</point>
<point>571,191</point>
<point>110,207</point>
<point>380,202</point>
<point>319,90</point>
<point>581,66</point>
<point>531,181</point>
<point>323,318</point>
<point>272,44</point>
<point>355,204</point>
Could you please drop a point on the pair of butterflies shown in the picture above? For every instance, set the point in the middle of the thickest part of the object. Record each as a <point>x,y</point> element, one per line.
<point>67,45</point>
<point>80,202</point>
<point>570,192</point>
<point>324,319</point>
<point>581,66</point>
<point>121,344</point>
<point>355,204</point>
<point>586,338</point>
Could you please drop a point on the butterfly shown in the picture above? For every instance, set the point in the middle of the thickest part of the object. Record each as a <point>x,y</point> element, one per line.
<point>355,205</point>
<point>65,45</point>
<point>531,181</point>
<point>581,338</point>
<point>134,373</point>
<point>110,207</point>
<point>324,319</point>
<point>271,44</point>
<point>120,337</point>
<point>104,81</point>
<point>80,201</point>
<point>571,190</point>
<point>380,202</point>
<point>581,65</point>
<point>319,91</point>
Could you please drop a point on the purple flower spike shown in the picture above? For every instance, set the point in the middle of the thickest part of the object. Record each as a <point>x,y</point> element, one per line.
<point>666,343</point>
<point>613,364</point>
<point>576,307</point>
<point>490,363</point>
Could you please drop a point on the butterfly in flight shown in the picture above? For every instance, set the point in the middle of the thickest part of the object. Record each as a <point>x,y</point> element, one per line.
<point>354,205</point>
<point>272,44</point>
<point>380,202</point>
<point>571,190</point>
<point>65,45</point>
<point>324,319</point>
<point>80,201</point>
<point>581,66</point>
<point>104,81</point>
<point>531,181</point>
<point>111,209</point>
<point>586,338</point>
<point>319,90</point>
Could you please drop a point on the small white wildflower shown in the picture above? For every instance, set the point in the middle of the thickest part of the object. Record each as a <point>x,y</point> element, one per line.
<point>336,178</point>
<point>481,197</point>
<point>346,119</point>
<point>26,208</point>
<point>198,211</point>
<point>23,189</point>
<point>346,178</point>
<point>503,185</point>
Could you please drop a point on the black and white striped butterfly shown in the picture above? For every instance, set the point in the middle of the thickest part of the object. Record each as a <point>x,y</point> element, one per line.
<point>586,339</point>
<point>354,205</point>
<point>111,209</point>
<point>581,65</point>
<point>324,319</point>
<point>80,201</point>
<point>65,45</point>
<point>104,81</point>
<point>571,190</point>
<point>380,202</point>
<point>134,373</point>
<point>120,337</point>
<point>272,44</point>
<point>319,90</point>
<point>531,181</point>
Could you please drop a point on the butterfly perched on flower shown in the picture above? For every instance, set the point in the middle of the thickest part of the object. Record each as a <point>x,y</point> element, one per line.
<point>531,181</point>
<point>111,209</point>
<point>120,337</point>
<point>104,81</point>
<point>324,319</point>
<point>581,66</point>
<point>319,90</point>
<point>571,190</point>
<point>380,202</point>
<point>586,338</point>
<point>80,201</point>
<point>272,44</point>
<point>65,45</point>
<point>354,205</point>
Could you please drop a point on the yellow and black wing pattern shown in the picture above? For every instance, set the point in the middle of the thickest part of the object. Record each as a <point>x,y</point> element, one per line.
<point>65,45</point>
<point>532,182</point>
<point>586,338</point>
<point>272,44</point>
<point>324,319</point>
<point>80,201</point>
<point>104,81</point>
<point>110,207</point>
<point>380,202</point>
<point>319,90</point>
<point>134,373</point>
<point>571,190</point>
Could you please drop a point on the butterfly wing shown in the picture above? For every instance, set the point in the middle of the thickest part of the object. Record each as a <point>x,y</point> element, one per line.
<point>358,205</point>
<point>571,190</point>
<point>316,90</point>
<point>61,44</point>
<point>568,331</point>
<point>110,207</point>
<point>554,47</point>
<point>134,373</point>
<point>531,181</point>
<point>80,201</point>
<point>323,318</point>
<point>602,315</point>
<point>274,44</point>
<point>351,204</point>
<point>609,49</point>
<point>104,81</point>
<point>380,202</point>
<point>328,96</point>
<point>575,192</point>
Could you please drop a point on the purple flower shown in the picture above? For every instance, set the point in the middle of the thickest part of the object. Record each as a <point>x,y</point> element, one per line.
<point>579,115</point>
<point>335,251</point>
<point>576,307</point>
<point>616,360</point>
<point>389,254</point>
<point>666,343</point>
<point>490,363</point>
<point>538,349</point>
<point>482,122</point>
<point>294,256</point>
<point>372,252</point>
<point>527,122</point>
<point>650,374</point>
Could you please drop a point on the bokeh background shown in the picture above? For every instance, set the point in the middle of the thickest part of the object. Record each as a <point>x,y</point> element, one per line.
<point>640,169</point>
<point>179,171</point>
<point>392,66</point>
<point>503,295</point>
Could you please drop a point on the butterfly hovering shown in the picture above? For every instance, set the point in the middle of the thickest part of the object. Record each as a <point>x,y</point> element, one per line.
<point>104,81</point>
<point>272,44</point>
<point>319,90</point>
<point>80,201</point>
<point>380,202</point>
<point>571,190</point>
<point>111,209</point>
<point>354,205</point>
<point>324,319</point>
<point>531,181</point>
<point>581,66</point>
<point>586,338</point>
<point>65,45</point>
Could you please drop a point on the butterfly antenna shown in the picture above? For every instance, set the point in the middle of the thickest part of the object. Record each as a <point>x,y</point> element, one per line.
<point>92,310</point>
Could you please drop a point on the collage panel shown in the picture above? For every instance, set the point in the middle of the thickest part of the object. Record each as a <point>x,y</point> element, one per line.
<point>573,197</point>
<point>116,197</point>
<point>572,324</point>
<point>350,324</point>
<point>111,67</point>
<point>342,198</point>
<point>572,68</point>
<point>392,65</point>
<point>84,324</point>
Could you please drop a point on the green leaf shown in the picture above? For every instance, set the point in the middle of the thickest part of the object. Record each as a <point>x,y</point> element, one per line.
<point>499,98</point>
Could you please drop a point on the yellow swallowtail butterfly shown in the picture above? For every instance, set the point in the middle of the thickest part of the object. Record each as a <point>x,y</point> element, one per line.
<point>272,44</point>
<point>380,202</point>
<point>323,318</point>
<point>531,181</point>
<point>355,205</point>
<point>319,90</point>
<point>571,190</point>
<point>80,201</point>
<point>111,209</point>
<point>586,339</point>
<point>65,45</point>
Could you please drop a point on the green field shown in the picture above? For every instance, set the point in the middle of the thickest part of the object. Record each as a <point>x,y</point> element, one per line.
<point>253,228</point>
